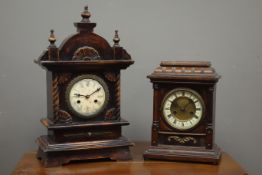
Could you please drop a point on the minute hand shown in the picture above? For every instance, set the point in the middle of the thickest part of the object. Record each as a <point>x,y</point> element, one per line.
<point>98,89</point>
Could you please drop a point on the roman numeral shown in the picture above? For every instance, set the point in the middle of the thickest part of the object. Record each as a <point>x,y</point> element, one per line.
<point>198,109</point>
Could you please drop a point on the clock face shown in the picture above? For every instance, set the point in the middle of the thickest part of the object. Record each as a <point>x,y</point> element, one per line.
<point>87,95</point>
<point>183,108</point>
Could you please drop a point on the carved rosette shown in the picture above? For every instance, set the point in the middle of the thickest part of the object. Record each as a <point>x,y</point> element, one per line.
<point>110,114</point>
<point>63,78</point>
<point>86,53</point>
<point>64,117</point>
<point>111,76</point>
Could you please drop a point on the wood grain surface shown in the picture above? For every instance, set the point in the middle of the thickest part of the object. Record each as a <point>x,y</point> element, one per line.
<point>29,165</point>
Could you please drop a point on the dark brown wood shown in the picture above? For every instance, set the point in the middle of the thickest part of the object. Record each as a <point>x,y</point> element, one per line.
<point>194,144</point>
<point>29,165</point>
<point>87,65</point>
<point>96,130</point>
<point>84,55</point>
<point>54,154</point>
<point>184,153</point>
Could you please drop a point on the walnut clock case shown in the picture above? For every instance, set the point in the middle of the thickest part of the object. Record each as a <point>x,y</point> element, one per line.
<point>83,95</point>
<point>184,112</point>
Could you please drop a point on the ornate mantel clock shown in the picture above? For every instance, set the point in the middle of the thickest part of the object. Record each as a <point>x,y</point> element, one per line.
<point>83,94</point>
<point>184,112</point>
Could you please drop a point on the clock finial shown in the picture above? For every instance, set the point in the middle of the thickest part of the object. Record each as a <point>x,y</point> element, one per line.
<point>53,52</point>
<point>85,25</point>
<point>116,39</point>
<point>52,38</point>
<point>85,15</point>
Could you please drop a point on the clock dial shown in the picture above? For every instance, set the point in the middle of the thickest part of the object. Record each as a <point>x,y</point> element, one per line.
<point>183,108</point>
<point>87,95</point>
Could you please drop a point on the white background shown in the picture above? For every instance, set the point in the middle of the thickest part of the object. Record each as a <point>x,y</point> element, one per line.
<point>226,32</point>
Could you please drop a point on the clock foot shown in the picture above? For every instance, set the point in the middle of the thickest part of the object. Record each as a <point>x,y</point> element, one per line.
<point>121,155</point>
<point>186,154</point>
<point>49,160</point>
<point>56,154</point>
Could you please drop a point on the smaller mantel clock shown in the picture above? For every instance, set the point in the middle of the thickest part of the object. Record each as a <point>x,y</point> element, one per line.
<point>184,112</point>
<point>83,98</point>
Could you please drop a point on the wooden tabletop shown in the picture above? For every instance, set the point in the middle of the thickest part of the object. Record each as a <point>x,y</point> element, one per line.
<point>29,165</point>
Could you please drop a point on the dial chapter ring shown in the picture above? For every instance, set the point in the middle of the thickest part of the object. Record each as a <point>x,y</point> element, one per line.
<point>174,105</point>
<point>79,78</point>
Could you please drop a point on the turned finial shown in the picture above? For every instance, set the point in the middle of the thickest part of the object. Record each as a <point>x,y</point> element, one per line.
<point>116,38</point>
<point>85,15</point>
<point>52,38</point>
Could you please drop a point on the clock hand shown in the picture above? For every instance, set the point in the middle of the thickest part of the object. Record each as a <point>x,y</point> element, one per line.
<point>79,95</point>
<point>98,89</point>
<point>185,106</point>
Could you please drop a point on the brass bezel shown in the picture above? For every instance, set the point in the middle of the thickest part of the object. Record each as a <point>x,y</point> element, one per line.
<point>188,90</point>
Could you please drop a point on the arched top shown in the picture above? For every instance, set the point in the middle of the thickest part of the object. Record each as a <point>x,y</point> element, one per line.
<point>85,45</point>
<point>73,43</point>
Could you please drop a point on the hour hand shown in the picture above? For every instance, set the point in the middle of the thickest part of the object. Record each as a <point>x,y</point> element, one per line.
<point>79,95</point>
<point>183,108</point>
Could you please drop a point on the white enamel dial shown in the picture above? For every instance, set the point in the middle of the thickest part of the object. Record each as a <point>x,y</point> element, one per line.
<point>183,108</point>
<point>87,95</point>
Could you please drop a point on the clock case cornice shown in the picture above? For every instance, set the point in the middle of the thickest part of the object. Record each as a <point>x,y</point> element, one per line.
<point>86,65</point>
<point>185,71</point>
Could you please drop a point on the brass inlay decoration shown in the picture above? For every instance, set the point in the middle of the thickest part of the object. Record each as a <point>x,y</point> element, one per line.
<point>182,140</point>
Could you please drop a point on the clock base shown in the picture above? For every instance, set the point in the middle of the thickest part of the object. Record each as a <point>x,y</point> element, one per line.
<point>181,153</point>
<point>54,154</point>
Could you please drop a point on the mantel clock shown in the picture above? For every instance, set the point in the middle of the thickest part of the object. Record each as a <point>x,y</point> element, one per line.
<point>184,112</point>
<point>83,98</point>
